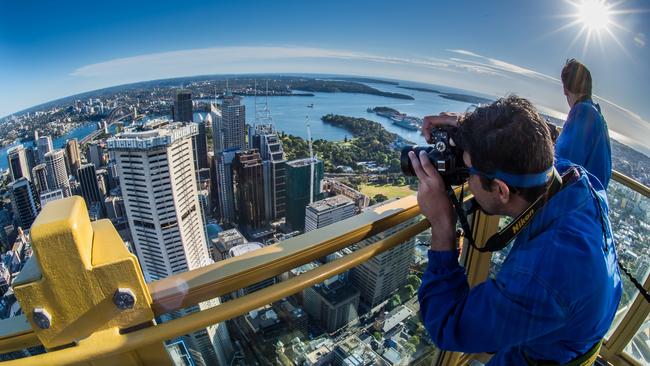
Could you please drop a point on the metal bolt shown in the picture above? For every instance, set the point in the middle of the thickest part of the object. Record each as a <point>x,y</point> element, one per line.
<point>124,298</point>
<point>42,318</point>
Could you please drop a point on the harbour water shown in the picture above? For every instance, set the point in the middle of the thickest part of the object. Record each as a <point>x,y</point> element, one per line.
<point>290,114</point>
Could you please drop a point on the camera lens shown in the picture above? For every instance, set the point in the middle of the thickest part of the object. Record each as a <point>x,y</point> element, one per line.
<point>405,161</point>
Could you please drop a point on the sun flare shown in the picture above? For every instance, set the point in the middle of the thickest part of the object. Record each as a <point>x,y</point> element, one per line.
<point>594,14</point>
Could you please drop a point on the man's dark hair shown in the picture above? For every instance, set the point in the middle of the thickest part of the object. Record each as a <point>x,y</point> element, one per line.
<point>508,135</point>
<point>576,78</point>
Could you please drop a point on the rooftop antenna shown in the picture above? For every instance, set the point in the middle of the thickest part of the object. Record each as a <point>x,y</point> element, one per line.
<point>311,164</point>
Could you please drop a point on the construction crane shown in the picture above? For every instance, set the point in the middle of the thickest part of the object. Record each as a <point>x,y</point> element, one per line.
<point>311,164</point>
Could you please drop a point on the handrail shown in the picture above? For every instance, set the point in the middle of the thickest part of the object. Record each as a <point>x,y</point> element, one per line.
<point>223,277</point>
<point>631,183</point>
<point>91,349</point>
<point>192,287</point>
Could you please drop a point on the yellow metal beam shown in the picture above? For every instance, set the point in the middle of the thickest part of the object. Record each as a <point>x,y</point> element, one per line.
<point>631,183</point>
<point>107,343</point>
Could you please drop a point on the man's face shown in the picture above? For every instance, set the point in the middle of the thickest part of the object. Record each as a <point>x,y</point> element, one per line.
<point>486,199</point>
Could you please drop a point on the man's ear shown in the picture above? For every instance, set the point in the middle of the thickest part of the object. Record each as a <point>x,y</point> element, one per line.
<point>501,191</point>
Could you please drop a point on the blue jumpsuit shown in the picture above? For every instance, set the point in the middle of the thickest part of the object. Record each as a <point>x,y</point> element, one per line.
<point>554,297</point>
<point>584,140</point>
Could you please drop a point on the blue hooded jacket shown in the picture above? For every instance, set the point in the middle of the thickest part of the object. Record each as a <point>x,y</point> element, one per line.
<point>584,140</point>
<point>554,297</point>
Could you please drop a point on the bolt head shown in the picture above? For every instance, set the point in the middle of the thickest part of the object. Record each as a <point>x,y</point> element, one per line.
<point>124,298</point>
<point>42,318</point>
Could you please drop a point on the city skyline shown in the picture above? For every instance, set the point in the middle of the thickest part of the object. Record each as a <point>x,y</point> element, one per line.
<point>418,42</point>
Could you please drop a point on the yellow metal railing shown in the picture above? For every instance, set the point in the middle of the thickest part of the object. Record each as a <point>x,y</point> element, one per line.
<point>195,286</point>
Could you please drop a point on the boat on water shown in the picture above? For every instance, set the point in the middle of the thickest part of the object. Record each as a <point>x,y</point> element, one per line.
<point>310,105</point>
<point>407,124</point>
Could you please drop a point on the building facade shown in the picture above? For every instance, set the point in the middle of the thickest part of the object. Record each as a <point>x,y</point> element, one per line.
<point>266,141</point>
<point>328,211</point>
<point>18,163</point>
<point>72,155</point>
<point>57,174</point>
<point>248,189</point>
<point>158,182</point>
<point>39,178</point>
<point>25,202</point>
<point>89,185</point>
<point>298,196</point>
<point>44,146</point>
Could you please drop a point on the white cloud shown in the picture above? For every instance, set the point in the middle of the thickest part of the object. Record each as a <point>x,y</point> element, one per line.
<point>496,64</point>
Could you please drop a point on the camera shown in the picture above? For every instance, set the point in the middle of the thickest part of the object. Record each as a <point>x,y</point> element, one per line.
<point>446,157</point>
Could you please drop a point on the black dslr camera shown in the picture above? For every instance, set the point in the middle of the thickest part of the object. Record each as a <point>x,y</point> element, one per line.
<point>447,158</point>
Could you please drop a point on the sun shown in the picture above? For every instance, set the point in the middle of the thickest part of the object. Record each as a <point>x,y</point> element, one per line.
<point>595,21</point>
<point>594,15</point>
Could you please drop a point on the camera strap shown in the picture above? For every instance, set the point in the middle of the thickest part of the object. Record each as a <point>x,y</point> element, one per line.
<point>504,236</point>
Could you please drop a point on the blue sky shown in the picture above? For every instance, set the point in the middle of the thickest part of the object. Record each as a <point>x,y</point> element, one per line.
<point>52,49</point>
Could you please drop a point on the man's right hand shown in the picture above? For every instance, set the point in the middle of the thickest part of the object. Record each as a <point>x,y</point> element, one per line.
<point>431,122</point>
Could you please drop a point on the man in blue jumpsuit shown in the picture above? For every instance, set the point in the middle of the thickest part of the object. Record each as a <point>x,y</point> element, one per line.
<point>557,292</point>
<point>584,139</point>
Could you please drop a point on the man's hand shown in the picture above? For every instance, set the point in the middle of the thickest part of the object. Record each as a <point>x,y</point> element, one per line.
<point>434,203</point>
<point>443,119</point>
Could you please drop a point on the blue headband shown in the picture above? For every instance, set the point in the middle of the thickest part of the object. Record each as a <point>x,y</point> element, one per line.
<point>517,180</point>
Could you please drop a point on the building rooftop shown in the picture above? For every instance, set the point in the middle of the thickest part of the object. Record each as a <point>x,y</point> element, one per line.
<point>157,133</point>
<point>338,292</point>
<point>302,162</point>
<point>330,203</point>
<point>242,249</point>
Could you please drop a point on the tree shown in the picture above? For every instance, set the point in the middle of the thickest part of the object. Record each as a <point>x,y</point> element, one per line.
<point>377,336</point>
<point>409,348</point>
<point>410,289</point>
<point>380,198</point>
<point>415,340</point>
<point>414,280</point>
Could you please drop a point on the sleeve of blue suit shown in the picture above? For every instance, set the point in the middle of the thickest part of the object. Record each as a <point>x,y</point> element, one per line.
<point>495,315</point>
<point>576,140</point>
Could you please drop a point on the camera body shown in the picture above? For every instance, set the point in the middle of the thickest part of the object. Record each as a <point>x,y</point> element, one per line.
<point>446,157</point>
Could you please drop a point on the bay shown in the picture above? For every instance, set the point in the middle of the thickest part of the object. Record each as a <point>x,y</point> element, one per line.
<point>290,114</point>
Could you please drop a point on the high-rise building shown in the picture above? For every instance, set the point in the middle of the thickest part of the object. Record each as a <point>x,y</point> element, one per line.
<point>18,163</point>
<point>216,120</point>
<point>89,187</point>
<point>57,174</point>
<point>39,178</point>
<point>96,154</point>
<point>182,109</point>
<point>248,189</point>
<point>269,145</point>
<point>298,182</point>
<point>333,306</point>
<point>44,146</point>
<point>379,277</point>
<point>233,119</point>
<point>224,184</point>
<point>25,202</point>
<point>200,143</point>
<point>72,155</point>
<point>225,240</point>
<point>158,183</point>
<point>31,155</point>
<point>328,211</point>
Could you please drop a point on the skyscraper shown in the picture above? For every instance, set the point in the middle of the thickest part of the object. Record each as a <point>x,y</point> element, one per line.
<point>89,187</point>
<point>96,154</point>
<point>248,181</point>
<point>57,175</point>
<point>72,155</point>
<point>224,184</point>
<point>380,276</point>
<point>158,184</point>
<point>44,146</point>
<point>18,163</point>
<point>25,202</point>
<point>298,182</point>
<point>39,178</point>
<point>233,116</point>
<point>200,143</point>
<point>270,147</point>
<point>328,211</point>
<point>182,110</point>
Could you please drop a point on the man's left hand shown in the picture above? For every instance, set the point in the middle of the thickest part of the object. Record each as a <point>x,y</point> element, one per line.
<point>434,203</point>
